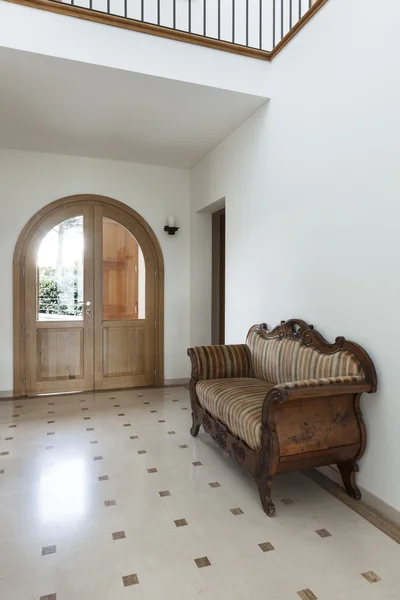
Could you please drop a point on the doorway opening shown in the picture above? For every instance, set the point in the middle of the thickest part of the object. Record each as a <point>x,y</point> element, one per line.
<point>218,277</point>
<point>88,299</point>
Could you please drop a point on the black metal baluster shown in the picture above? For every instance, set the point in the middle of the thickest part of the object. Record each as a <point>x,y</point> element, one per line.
<point>205,18</point>
<point>108,6</point>
<point>299,9</point>
<point>219,19</point>
<point>273,22</point>
<point>190,15</point>
<point>90,4</point>
<point>158,12</point>
<point>125,8</point>
<point>142,10</point>
<point>247,23</point>
<point>309,3</point>
<point>291,14</point>
<point>233,20</point>
<point>281,19</point>
<point>174,15</point>
<point>261,23</point>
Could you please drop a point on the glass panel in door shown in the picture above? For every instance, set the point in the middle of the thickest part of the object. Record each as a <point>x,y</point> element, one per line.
<point>60,272</point>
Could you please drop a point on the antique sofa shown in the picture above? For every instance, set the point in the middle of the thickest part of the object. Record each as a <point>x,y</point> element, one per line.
<point>287,399</point>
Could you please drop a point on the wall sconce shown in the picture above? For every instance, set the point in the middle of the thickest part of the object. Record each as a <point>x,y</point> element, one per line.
<point>170,228</point>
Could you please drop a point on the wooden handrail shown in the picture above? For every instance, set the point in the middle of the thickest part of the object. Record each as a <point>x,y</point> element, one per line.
<point>169,33</point>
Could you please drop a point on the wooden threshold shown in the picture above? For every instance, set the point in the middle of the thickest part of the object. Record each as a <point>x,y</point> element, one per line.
<point>169,33</point>
<point>369,513</point>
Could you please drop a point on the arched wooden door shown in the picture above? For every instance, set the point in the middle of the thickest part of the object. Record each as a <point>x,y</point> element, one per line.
<point>88,285</point>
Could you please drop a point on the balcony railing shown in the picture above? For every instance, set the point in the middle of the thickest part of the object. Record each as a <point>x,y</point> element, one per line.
<point>257,28</point>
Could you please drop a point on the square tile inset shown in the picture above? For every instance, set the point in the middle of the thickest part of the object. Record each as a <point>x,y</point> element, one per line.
<point>307,595</point>
<point>103,478</point>
<point>287,501</point>
<point>109,503</point>
<point>324,533</point>
<point>236,511</point>
<point>130,580</point>
<point>180,522</point>
<point>127,424</point>
<point>7,439</point>
<point>214,484</point>
<point>171,432</point>
<point>1,471</point>
<point>371,577</point>
<point>97,458</point>
<point>266,546</point>
<point>197,463</point>
<point>49,550</point>
<point>89,428</point>
<point>152,470</point>
<point>183,446</point>
<point>164,493</point>
<point>134,437</point>
<point>94,442</point>
<point>4,453</point>
<point>202,562</point>
<point>49,597</point>
<point>142,452</point>
<point>118,535</point>
<point>162,421</point>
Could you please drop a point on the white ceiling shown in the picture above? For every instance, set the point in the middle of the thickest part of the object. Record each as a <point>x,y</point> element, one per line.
<point>49,104</point>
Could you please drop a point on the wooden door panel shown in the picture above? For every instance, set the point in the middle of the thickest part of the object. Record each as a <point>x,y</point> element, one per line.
<point>59,328</point>
<point>124,344</point>
<point>123,353</point>
<point>60,354</point>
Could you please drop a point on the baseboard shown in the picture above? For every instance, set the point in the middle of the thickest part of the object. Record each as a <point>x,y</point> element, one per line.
<point>380,505</point>
<point>172,382</point>
<point>8,395</point>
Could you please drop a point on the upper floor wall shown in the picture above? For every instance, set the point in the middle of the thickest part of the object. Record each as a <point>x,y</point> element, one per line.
<point>61,36</point>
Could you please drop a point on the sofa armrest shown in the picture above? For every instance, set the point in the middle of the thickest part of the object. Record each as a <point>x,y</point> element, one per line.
<point>289,385</point>
<point>220,362</point>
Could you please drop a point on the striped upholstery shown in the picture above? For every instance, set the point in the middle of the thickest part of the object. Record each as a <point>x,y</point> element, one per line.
<point>217,362</point>
<point>280,361</point>
<point>237,403</point>
<point>324,381</point>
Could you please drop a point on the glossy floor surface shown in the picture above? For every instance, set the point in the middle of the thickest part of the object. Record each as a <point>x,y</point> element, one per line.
<point>106,496</point>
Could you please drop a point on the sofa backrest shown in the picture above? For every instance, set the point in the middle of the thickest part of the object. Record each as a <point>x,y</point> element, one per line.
<point>295,351</point>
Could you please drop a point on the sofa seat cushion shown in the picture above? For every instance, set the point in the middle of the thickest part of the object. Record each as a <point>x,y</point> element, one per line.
<point>237,403</point>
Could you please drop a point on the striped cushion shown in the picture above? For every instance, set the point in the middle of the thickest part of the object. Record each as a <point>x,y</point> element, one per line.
<point>237,403</point>
<point>279,361</point>
<point>215,362</point>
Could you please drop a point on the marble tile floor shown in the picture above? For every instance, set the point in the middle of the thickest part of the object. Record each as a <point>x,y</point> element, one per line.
<point>106,496</point>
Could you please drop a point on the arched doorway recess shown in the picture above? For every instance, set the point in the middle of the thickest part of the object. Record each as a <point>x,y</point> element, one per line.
<point>88,299</point>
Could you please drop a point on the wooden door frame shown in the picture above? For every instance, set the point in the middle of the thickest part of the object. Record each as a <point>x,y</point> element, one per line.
<point>130,219</point>
<point>218,278</point>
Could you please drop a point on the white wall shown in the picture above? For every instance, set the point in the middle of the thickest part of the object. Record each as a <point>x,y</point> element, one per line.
<point>29,181</point>
<point>34,30</point>
<point>312,187</point>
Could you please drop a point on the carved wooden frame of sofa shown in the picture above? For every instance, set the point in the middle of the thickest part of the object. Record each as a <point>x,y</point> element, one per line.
<point>285,400</point>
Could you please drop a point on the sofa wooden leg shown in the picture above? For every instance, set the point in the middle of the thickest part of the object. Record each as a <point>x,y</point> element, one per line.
<point>348,470</point>
<point>265,489</point>
<point>194,430</point>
